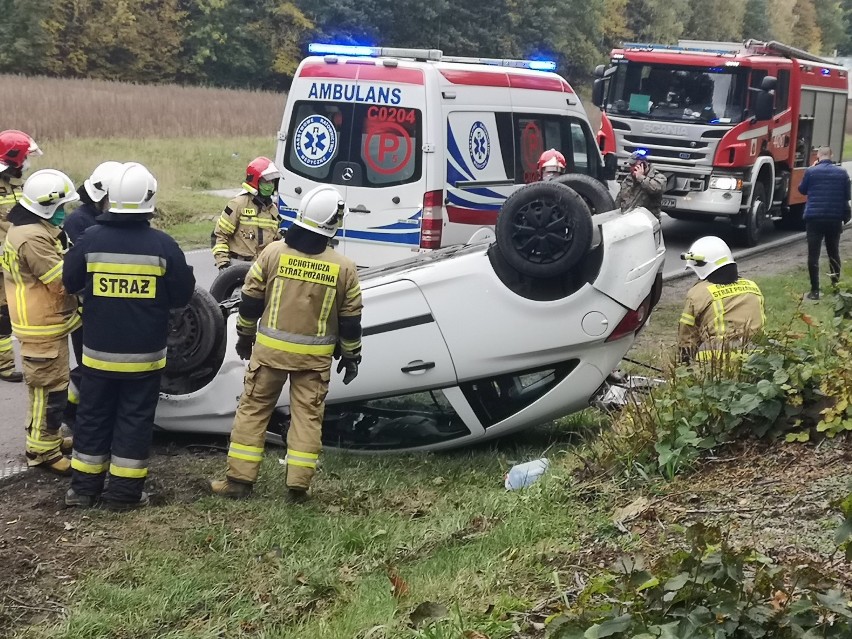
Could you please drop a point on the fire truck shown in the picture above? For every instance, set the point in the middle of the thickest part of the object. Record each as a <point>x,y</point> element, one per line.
<point>733,126</point>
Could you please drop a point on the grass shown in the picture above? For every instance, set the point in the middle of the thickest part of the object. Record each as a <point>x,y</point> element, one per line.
<point>184,168</point>
<point>58,109</point>
<point>382,535</point>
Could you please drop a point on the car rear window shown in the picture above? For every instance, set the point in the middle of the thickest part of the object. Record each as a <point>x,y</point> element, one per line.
<point>355,144</point>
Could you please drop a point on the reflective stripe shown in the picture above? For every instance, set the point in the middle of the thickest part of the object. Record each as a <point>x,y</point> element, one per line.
<point>256,272</point>
<point>275,302</point>
<point>39,446</point>
<point>220,248</point>
<point>127,473</point>
<point>128,263</point>
<point>298,349</point>
<point>245,323</point>
<point>124,362</point>
<point>259,222</point>
<point>10,257</point>
<point>687,319</point>
<point>322,322</point>
<point>5,344</point>
<point>353,292</point>
<point>719,317</point>
<point>304,460</point>
<point>48,330</point>
<point>226,225</point>
<point>73,393</point>
<point>91,464</point>
<point>350,345</point>
<point>54,273</point>
<point>246,453</point>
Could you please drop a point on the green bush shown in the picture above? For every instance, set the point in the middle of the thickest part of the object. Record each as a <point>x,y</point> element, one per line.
<point>709,591</point>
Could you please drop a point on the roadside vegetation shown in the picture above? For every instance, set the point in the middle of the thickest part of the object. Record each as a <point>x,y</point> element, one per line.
<point>649,523</point>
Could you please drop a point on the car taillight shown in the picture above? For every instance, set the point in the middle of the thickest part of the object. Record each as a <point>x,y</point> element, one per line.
<point>432,221</point>
<point>633,321</point>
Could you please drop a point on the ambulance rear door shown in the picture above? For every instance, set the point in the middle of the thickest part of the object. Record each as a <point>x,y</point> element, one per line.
<point>387,177</point>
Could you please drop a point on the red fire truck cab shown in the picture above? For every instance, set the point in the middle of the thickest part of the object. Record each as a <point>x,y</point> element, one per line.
<point>733,126</point>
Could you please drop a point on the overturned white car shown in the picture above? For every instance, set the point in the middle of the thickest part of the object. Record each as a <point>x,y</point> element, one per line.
<point>461,344</point>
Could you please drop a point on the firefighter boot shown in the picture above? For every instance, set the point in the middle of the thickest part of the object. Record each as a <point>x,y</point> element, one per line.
<point>67,445</point>
<point>126,506</point>
<point>297,496</point>
<point>73,500</point>
<point>57,465</point>
<point>12,376</point>
<point>230,488</point>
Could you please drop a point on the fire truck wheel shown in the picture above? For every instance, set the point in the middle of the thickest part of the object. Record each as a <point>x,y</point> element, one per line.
<point>229,280</point>
<point>594,194</point>
<point>756,216</point>
<point>195,331</point>
<point>544,229</point>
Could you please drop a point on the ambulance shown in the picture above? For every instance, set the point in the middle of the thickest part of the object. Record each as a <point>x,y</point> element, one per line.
<point>423,147</point>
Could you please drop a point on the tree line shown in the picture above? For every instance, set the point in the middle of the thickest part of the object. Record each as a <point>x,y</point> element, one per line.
<point>258,43</point>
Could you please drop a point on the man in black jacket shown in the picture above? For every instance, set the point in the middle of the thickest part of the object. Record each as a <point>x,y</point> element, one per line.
<point>827,208</point>
<point>130,275</point>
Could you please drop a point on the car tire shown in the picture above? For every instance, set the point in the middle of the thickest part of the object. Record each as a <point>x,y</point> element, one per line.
<point>755,217</point>
<point>195,331</point>
<point>229,280</point>
<point>544,229</point>
<point>594,194</point>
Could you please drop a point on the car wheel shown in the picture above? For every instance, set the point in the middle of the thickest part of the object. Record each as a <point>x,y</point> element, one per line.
<point>229,280</point>
<point>195,332</point>
<point>756,216</point>
<point>594,194</point>
<point>544,229</point>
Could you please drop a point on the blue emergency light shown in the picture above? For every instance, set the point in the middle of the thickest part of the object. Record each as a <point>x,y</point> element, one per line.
<point>340,49</point>
<point>542,65</point>
<point>826,71</point>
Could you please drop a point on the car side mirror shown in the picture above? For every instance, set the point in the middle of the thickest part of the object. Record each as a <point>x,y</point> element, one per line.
<point>610,166</point>
<point>768,83</point>
<point>599,71</point>
<point>598,92</point>
<point>764,103</point>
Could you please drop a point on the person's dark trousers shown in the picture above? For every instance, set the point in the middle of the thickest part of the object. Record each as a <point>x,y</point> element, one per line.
<point>70,415</point>
<point>817,230</point>
<point>112,436</point>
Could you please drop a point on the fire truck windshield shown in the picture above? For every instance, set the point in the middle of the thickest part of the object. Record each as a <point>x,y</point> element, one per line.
<point>710,95</point>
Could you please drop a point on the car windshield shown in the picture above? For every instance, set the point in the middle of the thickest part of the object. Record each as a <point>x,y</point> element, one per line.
<point>712,95</point>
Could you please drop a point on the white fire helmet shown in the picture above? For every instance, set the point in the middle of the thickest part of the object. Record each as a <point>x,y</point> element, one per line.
<point>321,210</point>
<point>132,190</point>
<point>706,255</point>
<point>97,183</point>
<point>47,190</point>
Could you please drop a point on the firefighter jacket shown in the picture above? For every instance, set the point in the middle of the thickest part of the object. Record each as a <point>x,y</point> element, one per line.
<point>79,220</point>
<point>647,192</point>
<point>10,192</point>
<point>245,227</point>
<point>40,309</point>
<point>130,275</point>
<point>719,314</point>
<point>308,305</point>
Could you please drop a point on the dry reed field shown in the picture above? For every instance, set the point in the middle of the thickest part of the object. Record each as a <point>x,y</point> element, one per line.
<point>59,109</point>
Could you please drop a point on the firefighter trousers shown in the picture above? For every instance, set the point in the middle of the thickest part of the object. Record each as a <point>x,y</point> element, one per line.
<point>112,435</point>
<point>262,389</point>
<point>7,355</point>
<point>45,368</point>
<point>74,385</point>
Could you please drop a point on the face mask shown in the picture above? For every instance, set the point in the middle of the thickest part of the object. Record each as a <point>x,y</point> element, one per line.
<point>266,189</point>
<point>58,216</point>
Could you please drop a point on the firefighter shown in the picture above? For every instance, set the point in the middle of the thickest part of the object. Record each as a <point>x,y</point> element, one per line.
<point>643,186</point>
<point>250,221</point>
<point>15,148</point>
<point>551,164</point>
<point>130,275</point>
<point>94,201</point>
<point>42,313</point>
<point>308,300</point>
<point>723,311</point>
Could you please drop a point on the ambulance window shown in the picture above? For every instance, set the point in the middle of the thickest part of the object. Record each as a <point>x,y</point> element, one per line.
<point>535,133</point>
<point>390,144</point>
<point>507,143</point>
<point>316,136</point>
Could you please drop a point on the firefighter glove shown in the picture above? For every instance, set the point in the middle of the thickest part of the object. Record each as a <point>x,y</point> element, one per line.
<point>350,364</point>
<point>224,265</point>
<point>244,345</point>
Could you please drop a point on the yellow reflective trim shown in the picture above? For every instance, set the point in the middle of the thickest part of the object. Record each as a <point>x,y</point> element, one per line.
<point>245,323</point>
<point>299,349</point>
<point>128,473</point>
<point>740,287</point>
<point>245,457</point>
<point>124,286</point>
<point>36,418</point>
<point>73,395</point>
<point>275,302</point>
<point>291,451</point>
<point>247,449</point>
<point>91,469</point>
<point>353,292</point>
<point>256,272</point>
<point>719,317</point>
<point>328,301</point>
<point>52,274</point>
<point>225,224</point>
<point>47,330</point>
<point>688,320</point>
<point>123,367</point>
<point>5,344</point>
<point>294,462</point>
<point>126,269</point>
